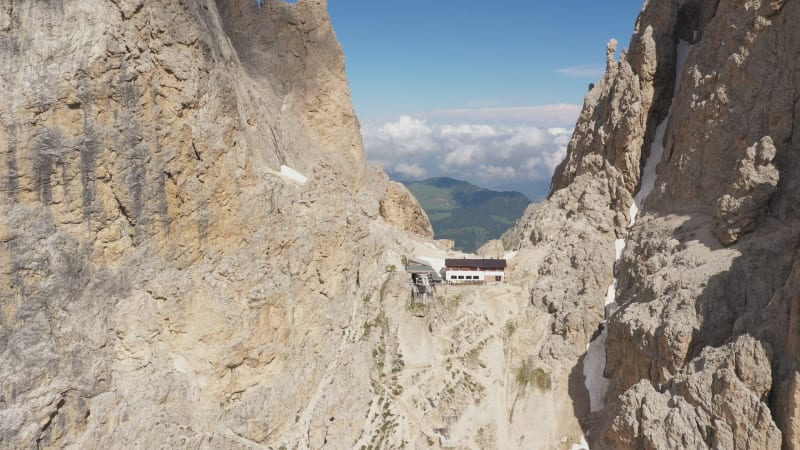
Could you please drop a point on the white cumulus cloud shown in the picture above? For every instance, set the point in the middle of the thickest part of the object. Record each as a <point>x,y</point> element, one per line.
<point>407,136</point>
<point>413,171</point>
<point>482,153</point>
<point>468,131</point>
<point>406,128</point>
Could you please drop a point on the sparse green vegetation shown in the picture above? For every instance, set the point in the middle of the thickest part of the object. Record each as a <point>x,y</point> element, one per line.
<point>383,286</point>
<point>474,387</point>
<point>471,357</point>
<point>417,309</point>
<point>454,300</point>
<point>510,328</point>
<point>367,329</point>
<point>385,374</point>
<point>388,423</point>
<point>527,374</point>
<point>380,321</point>
<point>542,379</point>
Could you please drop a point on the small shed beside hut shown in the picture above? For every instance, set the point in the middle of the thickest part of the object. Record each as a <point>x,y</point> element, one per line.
<point>424,279</point>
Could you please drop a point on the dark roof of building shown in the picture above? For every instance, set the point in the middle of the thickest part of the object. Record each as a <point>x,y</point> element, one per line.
<point>476,263</point>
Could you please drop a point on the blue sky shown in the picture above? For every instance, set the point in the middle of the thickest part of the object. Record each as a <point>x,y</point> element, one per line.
<point>466,89</point>
<point>417,56</point>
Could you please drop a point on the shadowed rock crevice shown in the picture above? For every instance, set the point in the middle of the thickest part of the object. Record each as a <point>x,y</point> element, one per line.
<point>11,162</point>
<point>89,149</point>
<point>683,294</point>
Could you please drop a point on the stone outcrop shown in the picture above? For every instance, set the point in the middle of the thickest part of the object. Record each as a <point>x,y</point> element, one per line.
<point>492,249</point>
<point>193,253</point>
<point>724,182</point>
<point>709,268</point>
<point>162,284</point>
<point>578,233</point>
<point>293,50</point>
<point>718,400</point>
<point>754,182</point>
<point>399,208</point>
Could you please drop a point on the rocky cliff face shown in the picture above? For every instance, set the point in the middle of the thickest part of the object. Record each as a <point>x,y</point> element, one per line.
<point>399,207</point>
<point>169,279</point>
<point>700,113</point>
<point>162,283</point>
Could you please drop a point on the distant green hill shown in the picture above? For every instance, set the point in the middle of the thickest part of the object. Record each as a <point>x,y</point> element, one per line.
<point>468,214</point>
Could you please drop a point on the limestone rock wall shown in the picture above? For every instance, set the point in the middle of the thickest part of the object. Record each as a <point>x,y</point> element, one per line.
<point>161,284</point>
<point>293,50</point>
<point>710,264</point>
<point>724,387</point>
<point>400,208</point>
<point>724,180</point>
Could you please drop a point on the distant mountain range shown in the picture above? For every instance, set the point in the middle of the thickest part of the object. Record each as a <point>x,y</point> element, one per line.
<point>469,215</point>
<point>536,190</point>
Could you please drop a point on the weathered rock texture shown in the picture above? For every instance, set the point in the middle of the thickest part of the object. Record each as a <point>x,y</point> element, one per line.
<point>725,388</point>
<point>703,350</point>
<point>161,285</point>
<point>754,182</point>
<point>401,209</point>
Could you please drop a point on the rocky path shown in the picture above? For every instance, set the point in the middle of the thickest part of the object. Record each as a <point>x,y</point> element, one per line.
<point>464,367</point>
<point>450,376</point>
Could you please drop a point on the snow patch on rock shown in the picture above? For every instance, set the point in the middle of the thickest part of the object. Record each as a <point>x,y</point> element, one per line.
<point>582,445</point>
<point>293,175</point>
<point>595,360</point>
<point>593,366</point>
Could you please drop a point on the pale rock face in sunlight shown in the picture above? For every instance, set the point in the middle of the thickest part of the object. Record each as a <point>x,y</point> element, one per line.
<point>194,252</point>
